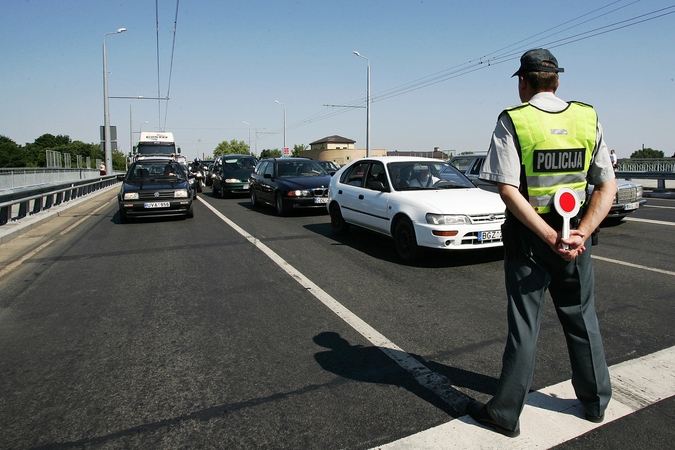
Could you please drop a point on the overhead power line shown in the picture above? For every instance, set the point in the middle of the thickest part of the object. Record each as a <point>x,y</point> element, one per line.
<point>501,56</point>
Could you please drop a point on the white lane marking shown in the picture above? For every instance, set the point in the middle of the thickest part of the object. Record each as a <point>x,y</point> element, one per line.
<point>636,384</point>
<point>88,215</point>
<point>555,408</point>
<point>637,266</point>
<point>655,222</point>
<point>658,206</point>
<point>9,267</point>
<point>438,384</point>
<point>15,264</point>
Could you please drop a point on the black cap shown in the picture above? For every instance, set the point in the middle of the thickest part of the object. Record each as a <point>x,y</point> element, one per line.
<point>532,60</point>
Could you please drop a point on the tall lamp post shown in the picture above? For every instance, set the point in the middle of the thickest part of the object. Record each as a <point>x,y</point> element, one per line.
<point>283,154</point>
<point>249,135</point>
<point>367,105</point>
<point>106,108</point>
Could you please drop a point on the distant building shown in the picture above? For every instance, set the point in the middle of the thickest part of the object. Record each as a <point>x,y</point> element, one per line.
<point>338,149</point>
<point>437,153</point>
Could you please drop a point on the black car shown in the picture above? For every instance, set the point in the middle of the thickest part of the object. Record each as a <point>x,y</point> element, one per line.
<point>289,183</point>
<point>155,187</point>
<point>230,174</point>
<point>329,166</point>
<point>470,166</point>
<point>207,167</point>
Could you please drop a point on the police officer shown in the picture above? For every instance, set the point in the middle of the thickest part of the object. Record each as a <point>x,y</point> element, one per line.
<point>536,148</point>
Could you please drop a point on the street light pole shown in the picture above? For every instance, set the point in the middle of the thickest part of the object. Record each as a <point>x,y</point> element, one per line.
<point>249,135</point>
<point>282,150</point>
<point>106,109</point>
<point>367,105</point>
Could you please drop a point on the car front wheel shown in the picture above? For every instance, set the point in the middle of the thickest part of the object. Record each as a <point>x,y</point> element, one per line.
<point>254,199</point>
<point>279,203</point>
<point>406,241</point>
<point>123,216</point>
<point>340,227</point>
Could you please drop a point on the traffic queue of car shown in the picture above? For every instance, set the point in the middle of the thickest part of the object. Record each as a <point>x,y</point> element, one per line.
<point>418,202</point>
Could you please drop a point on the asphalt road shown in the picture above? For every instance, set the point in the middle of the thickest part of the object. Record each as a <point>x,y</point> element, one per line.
<point>194,334</point>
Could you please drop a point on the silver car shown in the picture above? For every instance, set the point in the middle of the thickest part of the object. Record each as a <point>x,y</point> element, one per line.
<point>628,197</point>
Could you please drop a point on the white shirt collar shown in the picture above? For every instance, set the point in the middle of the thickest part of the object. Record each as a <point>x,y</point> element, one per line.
<point>548,102</point>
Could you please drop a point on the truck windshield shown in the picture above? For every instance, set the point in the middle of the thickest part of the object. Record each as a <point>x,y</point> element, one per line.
<point>155,149</point>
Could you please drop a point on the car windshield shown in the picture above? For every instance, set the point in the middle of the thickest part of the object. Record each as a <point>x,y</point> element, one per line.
<point>299,169</point>
<point>328,165</point>
<point>146,171</point>
<point>418,175</point>
<point>239,163</point>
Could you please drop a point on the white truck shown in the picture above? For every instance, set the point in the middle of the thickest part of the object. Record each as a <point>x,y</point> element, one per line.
<point>156,143</point>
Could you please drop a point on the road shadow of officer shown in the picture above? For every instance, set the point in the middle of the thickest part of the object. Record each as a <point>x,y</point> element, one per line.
<point>370,364</point>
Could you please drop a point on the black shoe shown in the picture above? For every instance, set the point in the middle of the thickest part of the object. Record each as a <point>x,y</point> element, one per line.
<point>479,413</point>
<point>594,419</point>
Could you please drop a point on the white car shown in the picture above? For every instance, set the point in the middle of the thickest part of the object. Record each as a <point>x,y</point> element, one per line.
<point>420,202</point>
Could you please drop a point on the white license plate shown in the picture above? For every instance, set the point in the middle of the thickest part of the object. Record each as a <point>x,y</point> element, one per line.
<point>631,206</point>
<point>489,235</point>
<point>320,199</point>
<point>157,205</point>
<point>245,186</point>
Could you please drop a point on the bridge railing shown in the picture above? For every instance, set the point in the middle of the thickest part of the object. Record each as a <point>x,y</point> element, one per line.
<point>15,178</point>
<point>16,204</point>
<point>659,169</point>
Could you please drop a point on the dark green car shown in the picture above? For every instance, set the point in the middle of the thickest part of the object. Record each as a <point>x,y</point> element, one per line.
<point>230,174</point>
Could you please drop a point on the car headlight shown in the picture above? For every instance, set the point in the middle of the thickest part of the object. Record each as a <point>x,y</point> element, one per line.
<point>299,193</point>
<point>232,180</point>
<point>131,196</point>
<point>639,191</point>
<point>447,219</point>
<point>180,193</point>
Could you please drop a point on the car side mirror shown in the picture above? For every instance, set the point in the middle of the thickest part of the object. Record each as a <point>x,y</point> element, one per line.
<point>121,177</point>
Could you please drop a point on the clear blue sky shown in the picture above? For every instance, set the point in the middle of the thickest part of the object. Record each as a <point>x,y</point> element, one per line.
<point>232,61</point>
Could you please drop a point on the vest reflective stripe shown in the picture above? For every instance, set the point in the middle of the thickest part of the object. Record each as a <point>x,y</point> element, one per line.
<point>556,150</point>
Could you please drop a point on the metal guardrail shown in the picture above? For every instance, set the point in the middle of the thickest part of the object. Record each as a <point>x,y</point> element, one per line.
<point>15,178</point>
<point>646,165</point>
<point>19,203</point>
<point>660,177</point>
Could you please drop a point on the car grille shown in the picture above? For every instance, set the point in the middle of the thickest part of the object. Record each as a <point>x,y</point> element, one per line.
<point>320,192</point>
<point>152,196</point>
<point>628,194</point>
<point>487,218</point>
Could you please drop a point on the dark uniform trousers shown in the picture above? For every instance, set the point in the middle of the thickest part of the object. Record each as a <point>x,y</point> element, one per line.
<point>531,269</point>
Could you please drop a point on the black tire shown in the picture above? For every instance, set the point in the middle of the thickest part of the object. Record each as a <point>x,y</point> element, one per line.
<point>123,217</point>
<point>223,192</point>
<point>338,224</point>
<point>406,241</point>
<point>254,199</point>
<point>215,191</point>
<point>191,212</point>
<point>279,205</point>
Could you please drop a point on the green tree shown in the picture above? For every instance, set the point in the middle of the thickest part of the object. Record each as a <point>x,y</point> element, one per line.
<point>270,153</point>
<point>11,154</point>
<point>231,148</point>
<point>647,153</point>
<point>298,149</point>
<point>119,161</point>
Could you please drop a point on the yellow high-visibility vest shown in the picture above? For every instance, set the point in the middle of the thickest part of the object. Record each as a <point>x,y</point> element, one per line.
<point>556,149</point>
